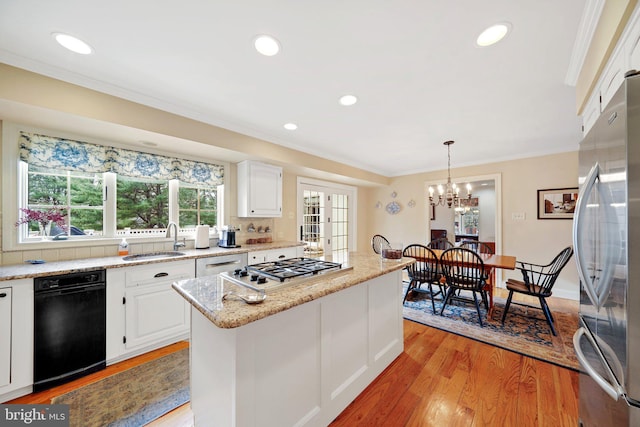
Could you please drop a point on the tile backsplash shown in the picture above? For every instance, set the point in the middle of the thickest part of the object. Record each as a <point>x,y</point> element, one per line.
<point>111,249</point>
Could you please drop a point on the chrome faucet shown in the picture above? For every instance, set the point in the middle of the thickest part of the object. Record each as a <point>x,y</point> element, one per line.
<point>176,244</point>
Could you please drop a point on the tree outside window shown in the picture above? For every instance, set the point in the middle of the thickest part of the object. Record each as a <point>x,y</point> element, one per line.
<point>197,206</point>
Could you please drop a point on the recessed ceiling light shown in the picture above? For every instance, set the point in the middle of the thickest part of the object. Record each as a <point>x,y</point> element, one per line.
<point>347,100</point>
<point>493,34</point>
<point>291,126</point>
<point>72,43</point>
<point>266,45</point>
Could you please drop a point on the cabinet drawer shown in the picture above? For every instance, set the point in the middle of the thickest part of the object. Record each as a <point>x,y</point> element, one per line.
<point>280,254</point>
<point>272,255</point>
<point>162,272</point>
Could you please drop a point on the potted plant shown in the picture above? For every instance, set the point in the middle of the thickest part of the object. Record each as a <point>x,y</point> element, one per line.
<point>44,219</point>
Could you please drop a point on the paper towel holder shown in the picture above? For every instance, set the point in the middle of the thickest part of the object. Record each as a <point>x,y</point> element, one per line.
<point>202,237</point>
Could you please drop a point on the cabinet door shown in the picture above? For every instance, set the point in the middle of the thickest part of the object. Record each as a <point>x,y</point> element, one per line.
<point>5,336</point>
<point>591,113</point>
<point>632,45</point>
<point>259,190</point>
<point>153,313</point>
<point>613,78</point>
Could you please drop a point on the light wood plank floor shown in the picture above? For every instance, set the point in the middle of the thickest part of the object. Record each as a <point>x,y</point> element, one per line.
<point>439,379</point>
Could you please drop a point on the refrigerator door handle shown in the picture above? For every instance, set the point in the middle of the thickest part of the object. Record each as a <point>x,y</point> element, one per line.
<point>611,387</point>
<point>583,198</point>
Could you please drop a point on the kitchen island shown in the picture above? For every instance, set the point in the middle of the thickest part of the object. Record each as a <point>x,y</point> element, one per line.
<point>301,356</point>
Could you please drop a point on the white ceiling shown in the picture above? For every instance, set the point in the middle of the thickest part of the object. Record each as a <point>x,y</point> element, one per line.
<point>414,66</point>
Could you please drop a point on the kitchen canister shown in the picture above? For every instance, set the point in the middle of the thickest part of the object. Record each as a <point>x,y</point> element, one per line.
<point>202,237</point>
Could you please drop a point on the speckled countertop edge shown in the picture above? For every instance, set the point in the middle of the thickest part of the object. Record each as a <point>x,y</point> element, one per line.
<point>25,271</point>
<point>205,293</point>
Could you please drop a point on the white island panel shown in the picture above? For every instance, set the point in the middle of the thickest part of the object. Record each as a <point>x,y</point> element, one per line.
<point>299,367</point>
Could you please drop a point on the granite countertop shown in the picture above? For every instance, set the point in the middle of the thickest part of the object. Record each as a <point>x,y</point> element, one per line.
<point>205,293</point>
<point>25,271</point>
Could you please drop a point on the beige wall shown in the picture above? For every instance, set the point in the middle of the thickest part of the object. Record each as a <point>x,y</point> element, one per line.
<point>531,240</point>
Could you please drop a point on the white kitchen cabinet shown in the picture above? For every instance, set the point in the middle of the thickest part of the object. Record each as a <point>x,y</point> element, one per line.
<point>259,190</point>
<point>143,310</point>
<point>272,255</point>
<point>16,339</point>
<point>632,44</point>
<point>5,336</point>
<point>625,57</point>
<point>612,78</point>
<point>153,310</point>
<point>591,113</point>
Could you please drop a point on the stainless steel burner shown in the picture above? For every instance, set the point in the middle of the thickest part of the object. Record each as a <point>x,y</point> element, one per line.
<point>278,274</point>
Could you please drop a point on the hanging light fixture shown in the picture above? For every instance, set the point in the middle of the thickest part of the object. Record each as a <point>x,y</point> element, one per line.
<point>448,194</point>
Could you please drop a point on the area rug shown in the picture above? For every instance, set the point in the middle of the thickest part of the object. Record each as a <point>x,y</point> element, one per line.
<point>133,397</point>
<point>525,329</point>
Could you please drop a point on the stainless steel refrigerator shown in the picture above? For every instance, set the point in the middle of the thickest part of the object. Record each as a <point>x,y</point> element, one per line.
<point>606,235</point>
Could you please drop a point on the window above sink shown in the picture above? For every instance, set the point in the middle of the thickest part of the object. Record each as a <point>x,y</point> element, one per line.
<point>102,206</point>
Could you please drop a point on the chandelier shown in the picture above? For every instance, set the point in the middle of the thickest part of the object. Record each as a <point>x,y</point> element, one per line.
<point>448,194</point>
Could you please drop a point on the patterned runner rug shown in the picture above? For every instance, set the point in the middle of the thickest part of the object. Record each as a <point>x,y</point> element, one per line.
<point>133,397</point>
<point>525,329</point>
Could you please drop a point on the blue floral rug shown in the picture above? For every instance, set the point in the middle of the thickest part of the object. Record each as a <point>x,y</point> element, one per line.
<point>133,397</point>
<point>525,329</point>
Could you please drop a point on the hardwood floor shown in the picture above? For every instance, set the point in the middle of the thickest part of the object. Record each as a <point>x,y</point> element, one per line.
<point>439,379</point>
<point>445,379</point>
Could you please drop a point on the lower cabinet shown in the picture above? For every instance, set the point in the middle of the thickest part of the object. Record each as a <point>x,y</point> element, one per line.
<point>143,310</point>
<point>16,338</point>
<point>5,336</point>
<point>153,313</point>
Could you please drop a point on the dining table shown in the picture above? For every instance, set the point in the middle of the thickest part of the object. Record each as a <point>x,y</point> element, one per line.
<point>491,262</point>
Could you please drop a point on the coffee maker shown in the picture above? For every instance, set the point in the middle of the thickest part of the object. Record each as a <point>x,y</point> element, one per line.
<point>227,237</point>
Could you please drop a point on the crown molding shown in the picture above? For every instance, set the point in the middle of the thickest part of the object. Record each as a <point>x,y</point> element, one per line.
<point>588,24</point>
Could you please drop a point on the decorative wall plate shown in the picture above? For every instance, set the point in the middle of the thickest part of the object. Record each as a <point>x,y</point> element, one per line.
<point>393,208</point>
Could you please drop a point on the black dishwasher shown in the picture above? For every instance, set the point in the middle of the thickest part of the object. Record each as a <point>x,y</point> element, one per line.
<point>69,327</point>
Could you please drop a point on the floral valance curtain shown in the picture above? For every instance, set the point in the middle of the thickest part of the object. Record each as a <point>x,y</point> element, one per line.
<point>67,154</point>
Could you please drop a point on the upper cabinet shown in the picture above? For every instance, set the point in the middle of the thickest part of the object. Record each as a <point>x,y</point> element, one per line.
<point>259,190</point>
<point>625,57</point>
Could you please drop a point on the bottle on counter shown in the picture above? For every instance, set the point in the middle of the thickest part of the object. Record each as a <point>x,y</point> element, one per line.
<point>123,247</point>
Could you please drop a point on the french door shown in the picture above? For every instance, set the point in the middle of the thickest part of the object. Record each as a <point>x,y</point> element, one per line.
<point>326,218</point>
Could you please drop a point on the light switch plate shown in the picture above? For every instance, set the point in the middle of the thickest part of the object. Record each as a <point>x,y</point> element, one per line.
<point>518,216</point>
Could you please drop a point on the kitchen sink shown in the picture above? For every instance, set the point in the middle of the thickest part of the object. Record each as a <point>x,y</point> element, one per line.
<point>152,255</point>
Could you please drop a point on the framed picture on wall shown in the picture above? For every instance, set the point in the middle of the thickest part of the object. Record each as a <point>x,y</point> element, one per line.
<point>557,203</point>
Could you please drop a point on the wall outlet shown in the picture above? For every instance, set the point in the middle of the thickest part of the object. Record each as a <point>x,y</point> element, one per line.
<point>518,216</point>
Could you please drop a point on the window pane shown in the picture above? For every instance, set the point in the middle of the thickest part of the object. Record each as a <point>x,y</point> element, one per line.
<point>86,190</point>
<point>47,188</point>
<point>208,199</point>
<point>187,198</point>
<point>188,219</point>
<point>86,221</point>
<point>79,193</point>
<point>197,206</point>
<point>142,204</point>
<point>208,218</point>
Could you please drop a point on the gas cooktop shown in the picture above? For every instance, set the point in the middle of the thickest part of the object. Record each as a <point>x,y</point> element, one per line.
<point>286,272</point>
